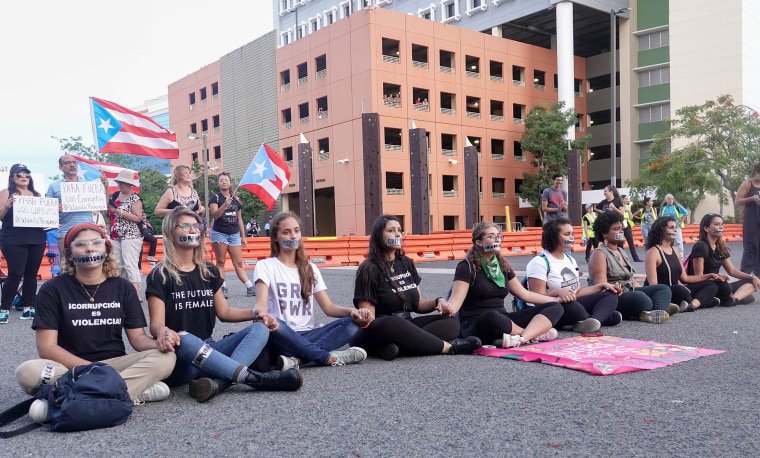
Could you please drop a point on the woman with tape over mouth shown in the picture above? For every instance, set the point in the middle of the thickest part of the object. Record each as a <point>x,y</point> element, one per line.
<point>387,286</point>
<point>707,257</point>
<point>185,298</point>
<point>80,317</point>
<point>287,286</point>
<point>481,283</point>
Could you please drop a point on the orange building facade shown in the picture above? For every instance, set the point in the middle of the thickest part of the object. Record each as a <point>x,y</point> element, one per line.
<point>459,85</point>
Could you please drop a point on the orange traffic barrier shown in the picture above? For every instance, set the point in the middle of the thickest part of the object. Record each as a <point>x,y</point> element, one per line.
<point>521,243</point>
<point>434,247</point>
<point>358,247</point>
<point>326,251</point>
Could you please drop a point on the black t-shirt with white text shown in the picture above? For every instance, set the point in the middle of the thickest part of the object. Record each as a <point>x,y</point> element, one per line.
<point>228,222</point>
<point>89,330</point>
<point>605,204</point>
<point>382,295</point>
<point>189,306</point>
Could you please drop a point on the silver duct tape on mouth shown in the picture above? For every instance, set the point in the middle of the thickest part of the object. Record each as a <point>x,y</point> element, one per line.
<point>671,234</point>
<point>492,246</point>
<point>393,241</point>
<point>88,259</point>
<point>570,242</point>
<point>717,232</point>
<point>292,243</point>
<point>189,239</point>
<point>619,236</point>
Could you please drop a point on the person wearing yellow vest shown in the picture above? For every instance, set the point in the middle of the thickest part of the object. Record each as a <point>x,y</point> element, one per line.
<point>672,208</point>
<point>628,228</point>
<point>588,229</point>
<point>647,215</point>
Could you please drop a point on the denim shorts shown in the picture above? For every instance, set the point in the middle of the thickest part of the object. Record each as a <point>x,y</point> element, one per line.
<point>227,239</point>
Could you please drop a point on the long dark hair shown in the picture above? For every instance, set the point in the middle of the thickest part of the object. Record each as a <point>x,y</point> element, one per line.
<point>720,245</point>
<point>476,252</point>
<point>13,188</point>
<point>305,272</point>
<point>657,232</point>
<point>613,190</point>
<point>376,256</point>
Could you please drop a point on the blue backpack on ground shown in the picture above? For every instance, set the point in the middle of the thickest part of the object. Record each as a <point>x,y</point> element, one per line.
<point>87,397</point>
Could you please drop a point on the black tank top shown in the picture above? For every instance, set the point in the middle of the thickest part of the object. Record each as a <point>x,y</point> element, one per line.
<point>20,235</point>
<point>669,270</point>
<point>752,209</point>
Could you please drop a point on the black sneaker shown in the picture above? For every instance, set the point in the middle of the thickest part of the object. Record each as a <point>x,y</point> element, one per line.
<point>464,346</point>
<point>712,303</point>
<point>747,300</point>
<point>387,352</point>
<point>729,301</point>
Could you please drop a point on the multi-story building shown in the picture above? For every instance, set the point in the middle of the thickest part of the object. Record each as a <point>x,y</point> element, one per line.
<point>459,85</point>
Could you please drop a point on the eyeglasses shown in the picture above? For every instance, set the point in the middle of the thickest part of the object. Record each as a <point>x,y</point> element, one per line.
<point>493,237</point>
<point>22,175</point>
<point>95,243</point>
<point>65,163</point>
<point>187,226</point>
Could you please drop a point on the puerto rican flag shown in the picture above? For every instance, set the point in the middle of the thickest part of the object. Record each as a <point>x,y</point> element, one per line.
<point>119,130</point>
<point>267,176</point>
<point>91,170</point>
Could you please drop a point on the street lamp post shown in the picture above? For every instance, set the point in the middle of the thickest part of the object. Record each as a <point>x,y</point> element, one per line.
<point>613,95</point>
<point>205,171</point>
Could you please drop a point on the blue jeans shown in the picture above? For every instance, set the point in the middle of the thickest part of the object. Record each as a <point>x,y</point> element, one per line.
<point>314,345</point>
<point>239,349</point>
<point>645,298</point>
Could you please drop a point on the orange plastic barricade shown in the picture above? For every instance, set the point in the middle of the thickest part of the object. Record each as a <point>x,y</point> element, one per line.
<point>358,247</point>
<point>732,232</point>
<point>521,243</point>
<point>461,243</point>
<point>327,251</point>
<point>421,248</point>
<point>690,233</point>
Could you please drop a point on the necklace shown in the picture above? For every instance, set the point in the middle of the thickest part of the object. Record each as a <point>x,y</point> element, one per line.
<point>91,296</point>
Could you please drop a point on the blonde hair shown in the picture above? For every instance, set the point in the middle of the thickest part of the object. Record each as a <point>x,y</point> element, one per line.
<point>110,265</point>
<point>177,173</point>
<point>168,267</point>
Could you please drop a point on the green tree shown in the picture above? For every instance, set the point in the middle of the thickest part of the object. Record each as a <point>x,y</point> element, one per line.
<point>721,143</point>
<point>153,184</point>
<point>76,147</point>
<point>544,138</point>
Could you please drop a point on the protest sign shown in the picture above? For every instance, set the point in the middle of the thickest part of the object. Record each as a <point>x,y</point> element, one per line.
<point>30,211</point>
<point>80,196</point>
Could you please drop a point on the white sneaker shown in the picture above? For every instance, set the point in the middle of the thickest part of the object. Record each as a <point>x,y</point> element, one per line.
<point>352,355</point>
<point>38,411</point>
<point>287,362</point>
<point>157,392</point>
<point>510,341</point>
<point>549,335</point>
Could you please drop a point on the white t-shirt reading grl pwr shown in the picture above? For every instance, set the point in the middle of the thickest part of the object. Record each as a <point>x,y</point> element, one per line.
<point>562,273</point>
<point>285,301</point>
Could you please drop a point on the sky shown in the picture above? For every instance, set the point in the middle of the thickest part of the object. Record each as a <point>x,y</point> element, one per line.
<point>54,55</point>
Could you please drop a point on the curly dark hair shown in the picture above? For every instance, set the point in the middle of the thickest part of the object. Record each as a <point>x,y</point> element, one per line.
<point>550,235</point>
<point>657,232</point>
<point>603,222</point>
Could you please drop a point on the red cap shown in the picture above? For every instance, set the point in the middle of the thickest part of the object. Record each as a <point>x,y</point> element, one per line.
<point>79,228</point>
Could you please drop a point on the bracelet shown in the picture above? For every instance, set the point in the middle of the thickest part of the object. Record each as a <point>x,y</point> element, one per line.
<point>437,299</point>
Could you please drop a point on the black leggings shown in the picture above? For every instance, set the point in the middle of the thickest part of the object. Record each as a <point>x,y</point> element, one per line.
<point>591,241</point>
<point>598,306</point>
<point>629,238</point>
<point>423,335</point>
<point>490,325</point>
<point>23,261</point>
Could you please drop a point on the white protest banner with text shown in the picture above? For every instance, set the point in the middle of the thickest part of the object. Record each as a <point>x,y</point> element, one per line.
<point>77,196</point>
<point>30,211</point>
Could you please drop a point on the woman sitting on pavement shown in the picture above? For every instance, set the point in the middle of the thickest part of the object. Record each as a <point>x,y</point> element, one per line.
<point>481,282</point>
<point>185,298</point>
<point>554,273</point>
<point>387,286</point>
<point>664,267</point>
<point>80,317</point>
<point>286,285</point>
<point>610,264</point>
<point>711,252</point>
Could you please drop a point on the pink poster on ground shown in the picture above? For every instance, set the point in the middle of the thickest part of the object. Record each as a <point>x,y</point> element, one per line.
<point>602,355</point>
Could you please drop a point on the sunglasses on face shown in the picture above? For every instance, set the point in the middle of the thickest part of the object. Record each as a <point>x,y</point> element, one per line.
<point>22,175</point>
<point>187,226</point>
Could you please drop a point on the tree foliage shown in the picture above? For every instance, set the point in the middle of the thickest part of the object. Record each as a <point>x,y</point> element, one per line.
<point>720,140</point>
<point>544,138</point>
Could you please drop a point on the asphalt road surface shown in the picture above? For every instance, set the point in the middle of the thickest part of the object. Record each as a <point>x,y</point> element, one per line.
<point>447,405</point>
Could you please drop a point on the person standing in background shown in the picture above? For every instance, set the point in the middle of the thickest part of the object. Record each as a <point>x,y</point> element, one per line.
<point>628,228</point>
<point>648,215</point>
<point>554,199</point>
<point>674,209</point>
<point>749,196</point>
<point>588,229</point>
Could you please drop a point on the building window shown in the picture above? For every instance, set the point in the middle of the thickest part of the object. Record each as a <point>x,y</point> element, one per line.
<point>449,185</point>
<point>214,91</point>
<point>392,95</point>
<point>654,76</point>
<point>447,61</point>
<point>496,71</point>
<point>448,103</point>
<point>578,122</point>
<point>473,107</point>
<point>285,37</point>
<point>497,110</point>
<point>578,87</point>
<point>498,188</point>
<point>392,139</point>
<point>654,113</point>
<point>303,113</point>
<point>420,97</point>
<point>330,15</point>
<point>450,10</point>
<point>195,157</point>
<point>363,4</point>
<point>448,145</point>
<point>321,65</point>
<point>191,96</point>
<point>518,113</point>
<point>497,149</point>
<point>217,153</point>
<point>394,183</point>
<point>322,112</point>
<point>427,13</point>
<point>473,6</point>
<point>303,73</point>
<point>286,118</point>
<point>287,153</point>
<point>539,80</point>
<point>216,123</point>
<point>345,8</point>
<point>518,75</point>
<point>204,126</point>
<point>193,128</point>
<point>419,56</point>
<point>324,148</point>
<point>471,66</point>
<point>653,40</point>
<point>518,152</point>
<point>314,24</point>
<point>601,82</point>
<point>518,183</point>
<point>284,6</point>
<point>203,95</point>
<point>450,222</point>
<point>284,80</point>
<point>391,50</point>
<point>301,30</point>
<point>475,141</point>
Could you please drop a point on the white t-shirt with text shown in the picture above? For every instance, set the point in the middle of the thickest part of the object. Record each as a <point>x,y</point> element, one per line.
<point>561,273</point>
